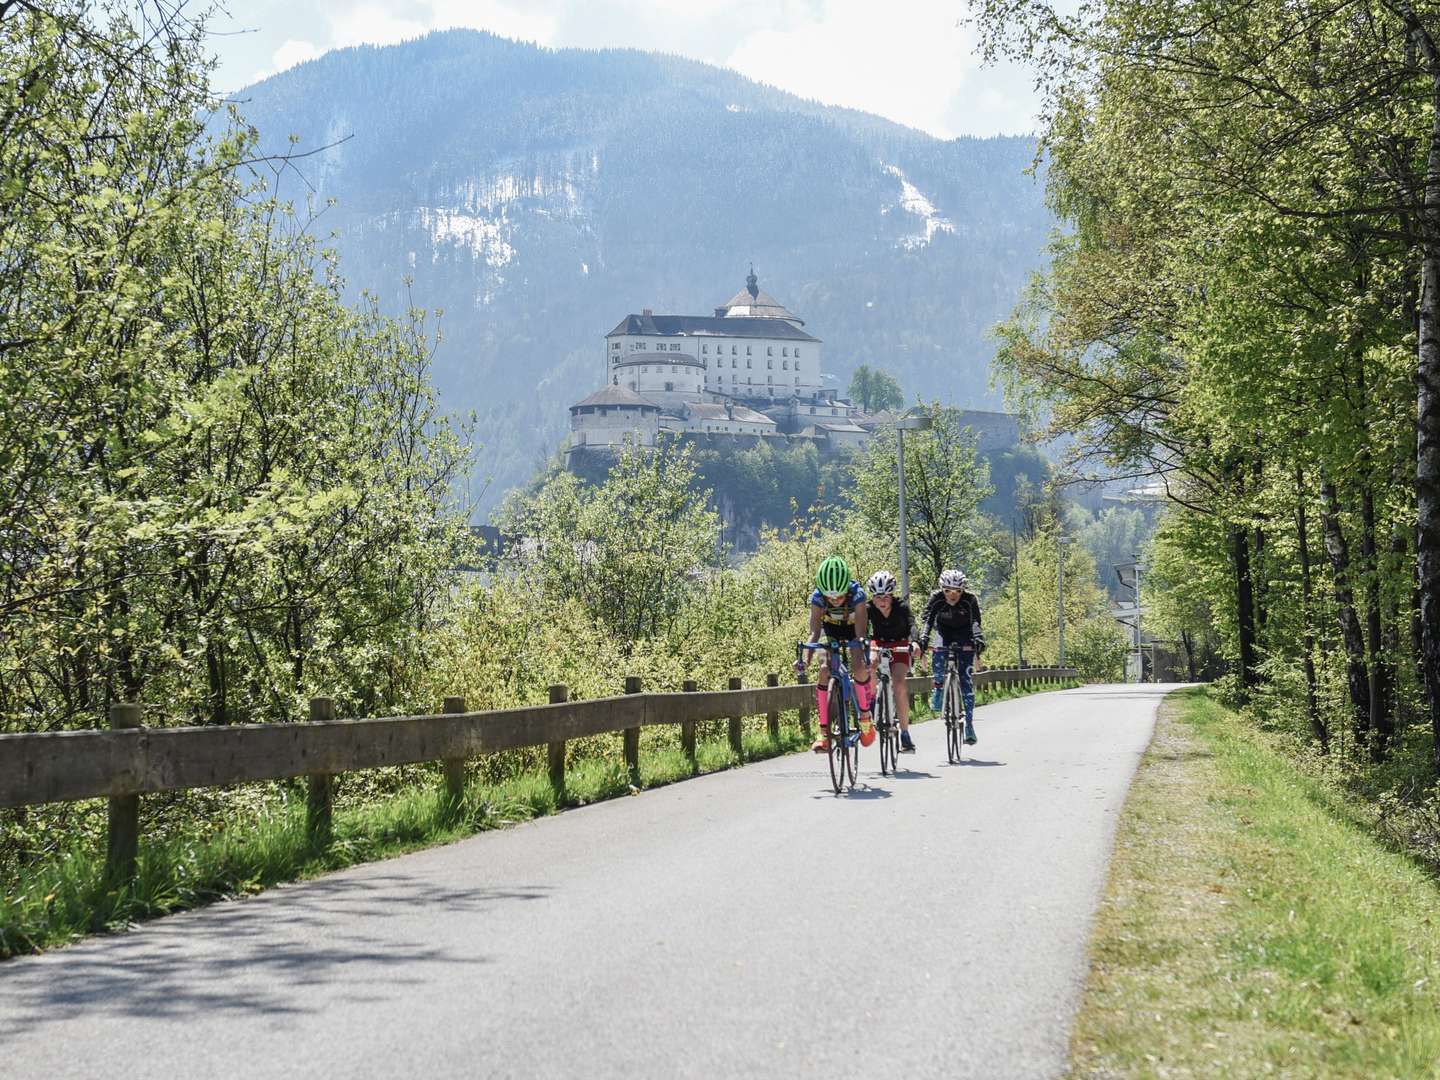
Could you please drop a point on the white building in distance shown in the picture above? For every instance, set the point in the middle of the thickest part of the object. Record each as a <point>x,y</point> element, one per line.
<point>750,369</point>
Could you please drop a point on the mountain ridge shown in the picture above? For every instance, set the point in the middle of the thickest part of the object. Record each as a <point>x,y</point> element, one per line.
<point>540,195</point>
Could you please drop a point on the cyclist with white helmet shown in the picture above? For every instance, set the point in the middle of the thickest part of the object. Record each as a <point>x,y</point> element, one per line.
<point>838,609</point>
<point>893,627</point>
<point>955,611</point>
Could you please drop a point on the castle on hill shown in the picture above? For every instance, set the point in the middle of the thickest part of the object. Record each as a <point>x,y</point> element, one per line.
<point>750,371</point>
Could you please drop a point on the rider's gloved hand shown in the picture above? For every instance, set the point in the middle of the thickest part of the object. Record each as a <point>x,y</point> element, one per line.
<point>799,666</point>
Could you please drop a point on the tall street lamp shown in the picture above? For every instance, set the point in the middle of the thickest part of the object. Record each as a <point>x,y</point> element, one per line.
<point>920,422</point>
<point>1060,543</point>
<point>1015,574</point>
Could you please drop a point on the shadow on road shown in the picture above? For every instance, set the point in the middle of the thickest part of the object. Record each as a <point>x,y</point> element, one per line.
<point>862,791</point>
<point>247,957</point>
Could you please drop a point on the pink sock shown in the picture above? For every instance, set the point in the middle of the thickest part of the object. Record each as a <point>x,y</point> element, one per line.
<point>864,695</point>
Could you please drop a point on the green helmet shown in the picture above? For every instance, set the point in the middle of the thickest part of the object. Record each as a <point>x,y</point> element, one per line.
<point>833,575</point>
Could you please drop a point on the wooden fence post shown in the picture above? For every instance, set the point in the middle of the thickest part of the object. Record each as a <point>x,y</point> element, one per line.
<point>319,815</point>
<point>122,838</point>
<point>803,679</point>
<point>736,744</point>
<point>559,694</point>
<point>687,732</point>
<point>772,718</point>
<point>454,767</point>
<point>632,736</point>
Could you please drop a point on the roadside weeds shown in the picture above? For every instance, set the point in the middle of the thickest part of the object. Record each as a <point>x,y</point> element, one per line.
<point>1252,928</point>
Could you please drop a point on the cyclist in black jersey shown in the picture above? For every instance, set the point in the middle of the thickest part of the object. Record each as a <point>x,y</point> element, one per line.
<point>893,627</point>
<point>955,611</point>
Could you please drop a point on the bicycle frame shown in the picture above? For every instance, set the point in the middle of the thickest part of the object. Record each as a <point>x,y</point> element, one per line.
<point>839,671</point>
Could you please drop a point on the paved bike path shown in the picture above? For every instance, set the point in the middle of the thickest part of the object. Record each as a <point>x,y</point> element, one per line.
<point>747,923</point>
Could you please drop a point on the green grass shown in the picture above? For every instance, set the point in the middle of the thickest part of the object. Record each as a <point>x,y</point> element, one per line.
<point>1253,925</point>
<point>64,899</point>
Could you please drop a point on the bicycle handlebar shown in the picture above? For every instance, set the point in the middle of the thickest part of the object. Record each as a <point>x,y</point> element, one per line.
<point>814,646</point>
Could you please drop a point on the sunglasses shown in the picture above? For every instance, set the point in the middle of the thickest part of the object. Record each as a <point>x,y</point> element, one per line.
<point>834,597</point>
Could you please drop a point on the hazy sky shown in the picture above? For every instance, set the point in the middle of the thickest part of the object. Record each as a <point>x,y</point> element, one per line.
<point>912,61</point>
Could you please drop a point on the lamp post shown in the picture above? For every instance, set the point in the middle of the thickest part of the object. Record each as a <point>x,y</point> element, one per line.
<point>922,422</point>
<point>1060,543</point>
<point>1019,635</point>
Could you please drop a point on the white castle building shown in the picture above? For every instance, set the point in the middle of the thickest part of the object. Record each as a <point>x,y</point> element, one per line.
<point>750,369</point>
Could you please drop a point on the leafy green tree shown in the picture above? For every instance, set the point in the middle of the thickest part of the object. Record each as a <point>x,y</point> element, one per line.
<point>875,389</point>
<point>221,491</point>
<point>1256,251</point>
<point>1039,624</point>
<point>629,552</point>
<point>945,482</point>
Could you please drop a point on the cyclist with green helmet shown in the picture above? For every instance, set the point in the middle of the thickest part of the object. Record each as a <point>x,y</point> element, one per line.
<point>838,609</point>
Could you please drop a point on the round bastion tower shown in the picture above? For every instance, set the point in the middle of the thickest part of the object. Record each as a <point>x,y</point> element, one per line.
<point>668,379</point>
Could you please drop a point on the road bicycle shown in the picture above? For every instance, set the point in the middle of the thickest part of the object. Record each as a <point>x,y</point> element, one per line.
<point>843,712</point>
<point>885,724</point>
<point>952,708</point>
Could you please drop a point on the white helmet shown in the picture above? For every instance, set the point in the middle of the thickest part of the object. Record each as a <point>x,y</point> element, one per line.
<point>881,583</point>
<point>953,579</point>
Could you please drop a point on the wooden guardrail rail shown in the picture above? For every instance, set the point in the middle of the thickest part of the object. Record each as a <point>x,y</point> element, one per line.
<point>129,760</point>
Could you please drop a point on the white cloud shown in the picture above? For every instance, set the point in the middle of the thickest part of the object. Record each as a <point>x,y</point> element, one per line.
<point>378,24</point>
<point>371,24</point>
<point>293,52</point>
<point>914,64</point>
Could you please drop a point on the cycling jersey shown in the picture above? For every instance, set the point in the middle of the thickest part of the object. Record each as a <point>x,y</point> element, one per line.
<point>958,623</point>
<point>838,622</point>
<point>896,629</point>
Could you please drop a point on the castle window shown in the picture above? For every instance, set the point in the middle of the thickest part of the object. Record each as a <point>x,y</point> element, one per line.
<point>669,386</point>
<point>797,353</point>
<point>732,350</point>
<point>785,364</point>
<point>747,362</point>
<point>704,350</point>
<point>674,370</point>
<point>812,410</point>
<point>770,364</point>
<point>797,365</point>
<point>747,350</point>
<point>785,352</point>
<point>615,346</point>
<point>769,378</point>
<point>769,350</point>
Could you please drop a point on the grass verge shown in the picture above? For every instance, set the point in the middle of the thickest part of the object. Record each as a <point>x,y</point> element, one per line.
<point>64,899</point>
<point>1252,926</point>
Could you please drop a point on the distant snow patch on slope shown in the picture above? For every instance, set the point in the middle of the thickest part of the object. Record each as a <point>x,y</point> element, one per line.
<point>485,238</point>
<point>913,201</point>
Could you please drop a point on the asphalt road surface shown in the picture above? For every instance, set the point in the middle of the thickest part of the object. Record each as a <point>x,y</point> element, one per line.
<point>747,923</point>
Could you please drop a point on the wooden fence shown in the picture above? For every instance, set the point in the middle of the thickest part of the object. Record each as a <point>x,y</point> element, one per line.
<point>130,760</point>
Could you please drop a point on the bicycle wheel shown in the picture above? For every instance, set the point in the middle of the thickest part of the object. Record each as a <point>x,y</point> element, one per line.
<point>884,727</point>
<point>839,736</point>
<point>852,758</point>
<point>953,724</point>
